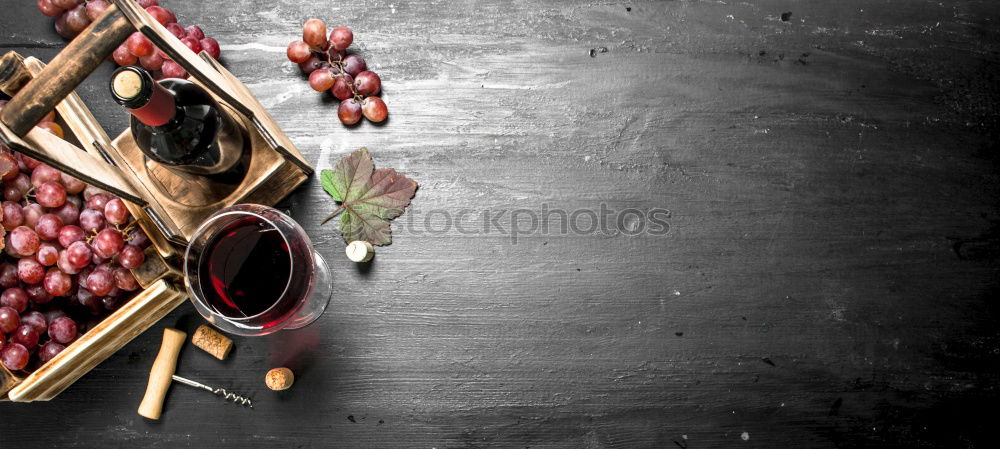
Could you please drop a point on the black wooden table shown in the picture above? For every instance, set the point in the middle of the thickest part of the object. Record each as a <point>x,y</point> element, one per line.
<point>825,174</point>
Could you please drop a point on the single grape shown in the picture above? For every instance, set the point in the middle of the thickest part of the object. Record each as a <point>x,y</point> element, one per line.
<point>131,256</point>
<point>79,254</point>
<point>64,264</point>
<point>62,330</point>
<point>91,220</point>
<point>9,319</point>
<point>314,62</point>
<point>343,87</point>
<point>321,79</point>
<point>367,83</point>
<point>139,45</point>
<point>162,15</point>
<point>24,241</point>
<point>15,298</point>
<point>47,255</point>
<point>37,294</point>
<point>90,191</point>
<point>32,213</point>
<point>172,69</point>
<point>314,33</point>
<point>98,201</point>
<point>48,8</point>
<point>69,234</point>
<point>66,4</point>
<point>192,43</point>
<point>30,271</point>
<point>44,173</point>
<point>53,128</point>
<point>26,336</point>
<point>77,18</point>
<point>211,46</point>
<point>36,320</point>
<point>62,28</point>
<point>298,52</point>
<point>123,56</point>
<point>73,186</point>
<point>8,275</point>
<point>99,282</point>
<point>374,109</point>
<point>68,212</point>
<point>349,111</point>
<point>48,226</point>
<point>95,8</point>
<point>56,282</point>
<point>14,356</point>
<point>125,280</point>
<point>108,243</point>
<point>177,30</point>
<point>151,62</point>
<point>30,163</point>
<point>195,32</point>
<point>20,185</point>
<point>49,350</point>
<point>8,166</point>
<point>12,215</point>
<point>138,238</point>
<point>354,64</point>
<point>341,38</point>
<point>115,212</point>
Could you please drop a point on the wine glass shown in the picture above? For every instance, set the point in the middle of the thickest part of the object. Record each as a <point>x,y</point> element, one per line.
<point>252,270</point>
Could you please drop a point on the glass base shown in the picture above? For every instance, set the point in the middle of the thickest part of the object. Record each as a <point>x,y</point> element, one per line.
<point>319,297</point>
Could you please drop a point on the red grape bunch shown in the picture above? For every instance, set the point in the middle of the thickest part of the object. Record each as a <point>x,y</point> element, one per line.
<point>346,76</point>
<point>66,258</point>
<point>72,16</point>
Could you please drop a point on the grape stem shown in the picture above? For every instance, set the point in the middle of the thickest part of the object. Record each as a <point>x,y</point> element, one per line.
<point>333,214</point>
<point>339,64</point>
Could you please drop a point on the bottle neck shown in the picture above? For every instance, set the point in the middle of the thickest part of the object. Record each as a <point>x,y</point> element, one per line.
<point>159,110</point>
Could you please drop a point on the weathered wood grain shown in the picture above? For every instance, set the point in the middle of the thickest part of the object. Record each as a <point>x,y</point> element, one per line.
<point>829,278</point>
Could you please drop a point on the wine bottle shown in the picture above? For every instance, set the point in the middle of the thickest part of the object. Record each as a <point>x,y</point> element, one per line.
<point>178,124</point>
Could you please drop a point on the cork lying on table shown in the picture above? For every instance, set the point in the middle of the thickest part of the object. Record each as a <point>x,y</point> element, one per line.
<point>279,379</point>
<point>212,342</point>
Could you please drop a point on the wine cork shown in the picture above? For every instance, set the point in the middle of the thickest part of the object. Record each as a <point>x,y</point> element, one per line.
<point>127,84</point>
<point>360,251</point>
<point>212,342</point>
<point>279,379</point>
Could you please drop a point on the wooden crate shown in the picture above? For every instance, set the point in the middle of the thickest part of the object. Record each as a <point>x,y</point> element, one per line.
<point>167,206</point>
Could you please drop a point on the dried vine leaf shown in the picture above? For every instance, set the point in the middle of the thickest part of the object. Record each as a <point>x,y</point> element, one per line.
<point>368,198</point>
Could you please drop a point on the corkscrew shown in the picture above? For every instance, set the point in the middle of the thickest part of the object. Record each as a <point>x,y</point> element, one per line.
<point>229,396</point>
<point>162,374</point>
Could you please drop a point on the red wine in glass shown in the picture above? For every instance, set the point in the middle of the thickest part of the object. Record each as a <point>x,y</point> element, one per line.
<point>253,270</point>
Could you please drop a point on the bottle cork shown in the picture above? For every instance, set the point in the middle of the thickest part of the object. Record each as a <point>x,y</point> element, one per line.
<point>360,251</point>
<point>279,379</point>
<point>212,342</point>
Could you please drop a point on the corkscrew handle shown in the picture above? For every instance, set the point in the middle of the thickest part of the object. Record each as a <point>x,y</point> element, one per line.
<point>162,373</point>
<point>66,71</point>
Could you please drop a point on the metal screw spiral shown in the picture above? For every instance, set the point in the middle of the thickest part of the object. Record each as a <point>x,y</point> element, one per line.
<point>233,397</point>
